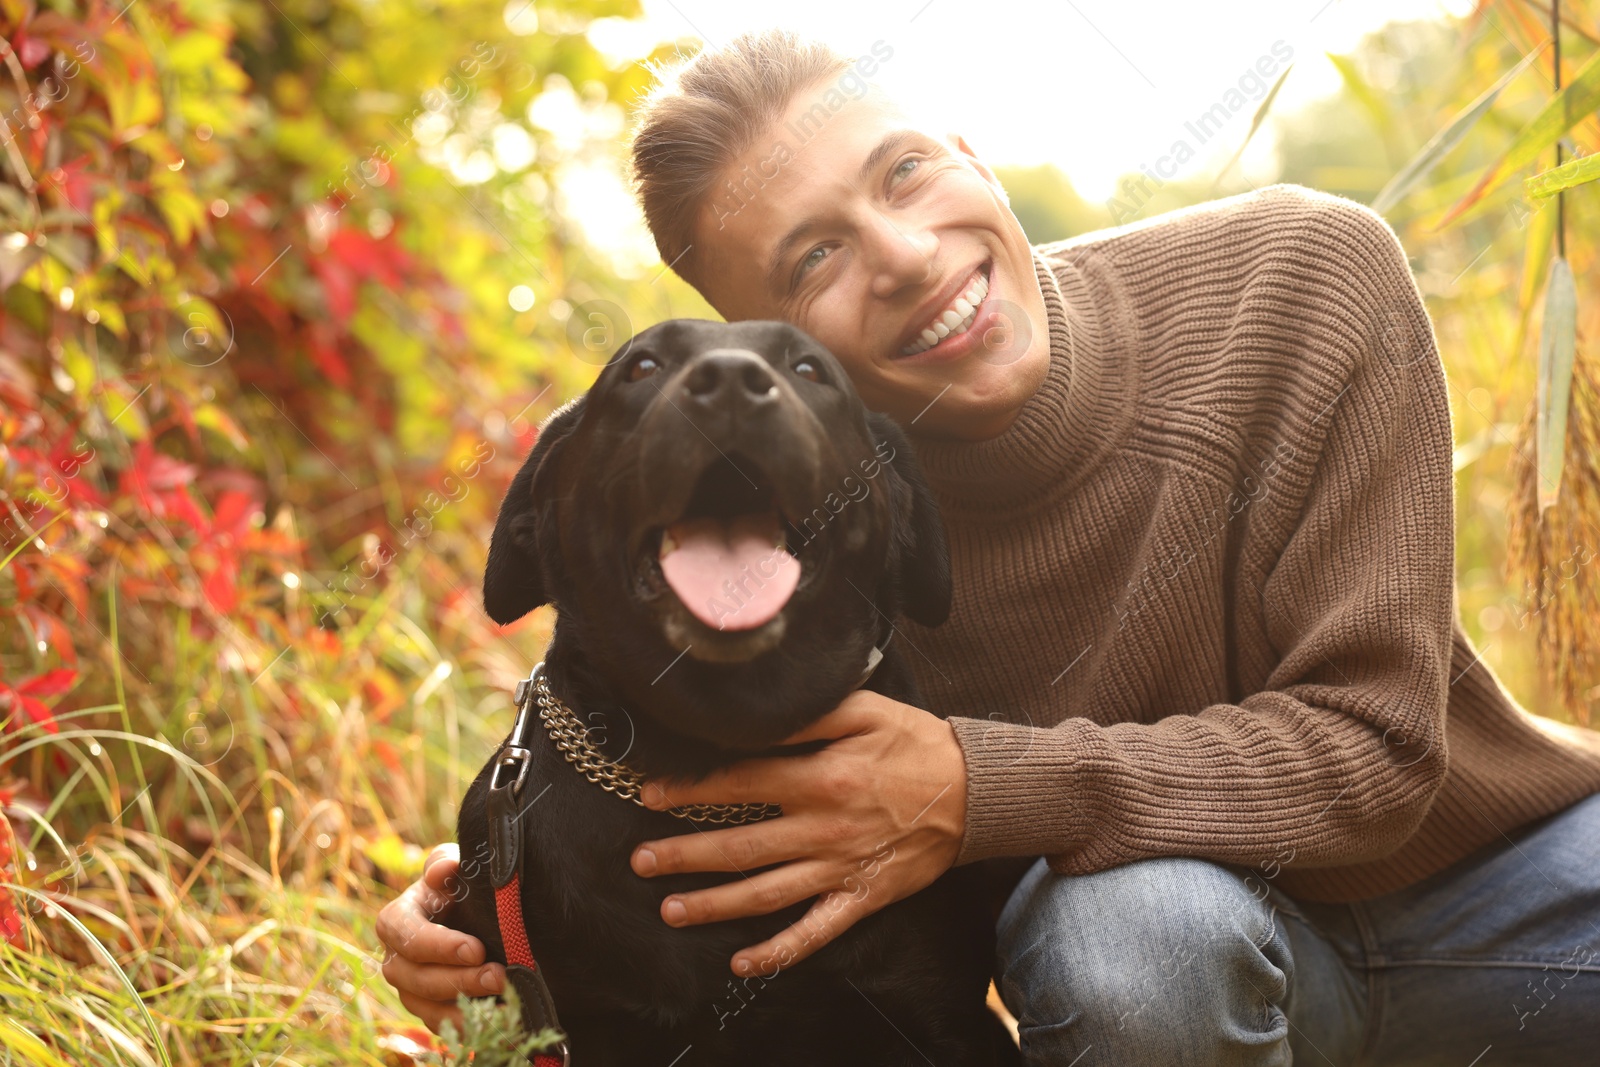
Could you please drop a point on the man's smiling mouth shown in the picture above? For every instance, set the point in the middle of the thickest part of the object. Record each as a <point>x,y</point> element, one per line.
<point>956,317</point>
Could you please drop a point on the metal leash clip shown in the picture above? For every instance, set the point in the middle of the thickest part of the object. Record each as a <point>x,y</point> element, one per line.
<point>515,752</point>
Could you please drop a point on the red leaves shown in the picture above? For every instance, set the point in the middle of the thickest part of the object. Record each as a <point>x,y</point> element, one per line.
<point>76,182</point>
<point>50,683</point>
<point>323,346</point>
<point>31,50</point>
<point>160,484</point>
<point>228,531</point>
<point>221,586</point>
<point>51,633</point>
<point>38,573</point>
<point>353,257</point>
<point>10,918</point>
<point>25,699</point>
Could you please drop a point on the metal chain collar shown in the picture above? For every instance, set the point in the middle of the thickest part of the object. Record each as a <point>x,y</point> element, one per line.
<point>571,738</point>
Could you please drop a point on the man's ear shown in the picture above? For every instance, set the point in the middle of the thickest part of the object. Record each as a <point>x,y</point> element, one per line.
<point>980,166</point>
<point>516,578</point>
<point>919,557</point>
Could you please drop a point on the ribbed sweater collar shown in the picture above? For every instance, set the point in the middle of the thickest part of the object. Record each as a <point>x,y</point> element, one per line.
<point>1081,411</point>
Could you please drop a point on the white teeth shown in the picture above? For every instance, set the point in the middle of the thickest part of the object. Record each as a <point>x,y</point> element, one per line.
<point>956,319</point>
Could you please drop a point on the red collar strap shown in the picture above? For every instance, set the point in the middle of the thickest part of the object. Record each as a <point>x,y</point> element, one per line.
<point>506,782</point>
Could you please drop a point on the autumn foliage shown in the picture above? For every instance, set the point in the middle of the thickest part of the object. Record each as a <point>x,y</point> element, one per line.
<point>260,392</point>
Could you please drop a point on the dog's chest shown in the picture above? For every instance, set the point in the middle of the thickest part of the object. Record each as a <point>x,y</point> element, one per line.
<point>596,927</point>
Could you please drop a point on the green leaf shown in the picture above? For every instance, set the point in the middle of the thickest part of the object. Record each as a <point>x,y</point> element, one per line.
<point>1255,123</point>
<point>1564,109</point>
<point>492,1034</point>
<point>1441,143</point>
<point>1557,345</point>
<point>71,250</point>
<point>390,853</point>
<point>120,405</point>
<point>133,104</point>
<point>215,418</point>
<point>1358,87</point>
<point>1573,172</point>
<point>183,213</point>
<point>1535,266</point>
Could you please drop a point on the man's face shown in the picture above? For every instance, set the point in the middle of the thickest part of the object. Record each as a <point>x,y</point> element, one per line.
<point>865,230</point>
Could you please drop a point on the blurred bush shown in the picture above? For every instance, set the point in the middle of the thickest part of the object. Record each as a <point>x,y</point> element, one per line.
<point>287,289</point>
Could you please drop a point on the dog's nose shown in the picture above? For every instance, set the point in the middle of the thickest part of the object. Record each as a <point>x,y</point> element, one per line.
<point>724,375</point>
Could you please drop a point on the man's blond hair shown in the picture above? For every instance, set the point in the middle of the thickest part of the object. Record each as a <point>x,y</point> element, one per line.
<point>704,113</point>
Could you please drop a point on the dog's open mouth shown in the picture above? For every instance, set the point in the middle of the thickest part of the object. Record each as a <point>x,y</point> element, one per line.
<point>726,557</point>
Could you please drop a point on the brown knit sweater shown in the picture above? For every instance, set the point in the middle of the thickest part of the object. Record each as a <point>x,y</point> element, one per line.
<point>1205,587</point>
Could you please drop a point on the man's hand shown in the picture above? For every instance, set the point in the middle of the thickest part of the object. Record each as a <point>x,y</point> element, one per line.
<point>429,963</point>
<point>875,816</point>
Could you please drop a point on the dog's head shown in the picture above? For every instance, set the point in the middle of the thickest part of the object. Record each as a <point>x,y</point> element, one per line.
<point>720,513</point>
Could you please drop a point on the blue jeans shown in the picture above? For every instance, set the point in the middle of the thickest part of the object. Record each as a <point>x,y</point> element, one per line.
<point>1170,962</point>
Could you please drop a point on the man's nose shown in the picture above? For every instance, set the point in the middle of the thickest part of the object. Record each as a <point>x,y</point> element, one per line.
<point>901,253</point>
<point>724,378</point>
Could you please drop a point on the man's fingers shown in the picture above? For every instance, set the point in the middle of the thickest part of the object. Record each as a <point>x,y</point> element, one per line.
<point>763,780</point>
<point>441,865</point>
<point>770,779</point>
<point>759,894</point>
<point>740,848</point>
<point>832,914</point>
<point>848,718</point>
<point>434,981</point>
<point>428,942</point>
<point>433,1013</point>
<point>406,928</point>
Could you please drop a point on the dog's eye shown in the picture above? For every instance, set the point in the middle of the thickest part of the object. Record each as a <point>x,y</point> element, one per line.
<point>642,367</point>
<point>808,370</point>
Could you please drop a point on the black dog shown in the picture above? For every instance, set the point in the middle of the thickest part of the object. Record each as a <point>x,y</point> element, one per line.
<point>726,533</point>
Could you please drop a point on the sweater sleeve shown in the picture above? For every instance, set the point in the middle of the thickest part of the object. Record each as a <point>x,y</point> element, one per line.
<point>1336,759</point>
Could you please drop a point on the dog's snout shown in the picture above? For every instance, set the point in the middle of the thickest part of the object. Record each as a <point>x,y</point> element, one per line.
<point>724,375</point>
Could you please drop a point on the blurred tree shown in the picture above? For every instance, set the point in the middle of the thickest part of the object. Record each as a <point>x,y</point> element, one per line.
<point>1047,205</point>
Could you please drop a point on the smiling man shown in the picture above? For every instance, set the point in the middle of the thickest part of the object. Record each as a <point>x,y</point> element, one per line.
<point>1204,664</point>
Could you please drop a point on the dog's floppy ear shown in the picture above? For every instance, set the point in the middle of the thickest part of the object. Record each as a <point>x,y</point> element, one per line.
<point>515,580</point>
<point>919,558</point>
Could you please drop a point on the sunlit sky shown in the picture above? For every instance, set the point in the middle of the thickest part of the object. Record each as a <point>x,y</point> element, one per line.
<point>1097,87</point>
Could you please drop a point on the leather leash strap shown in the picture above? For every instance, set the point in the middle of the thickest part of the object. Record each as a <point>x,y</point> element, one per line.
<point>506,782</point>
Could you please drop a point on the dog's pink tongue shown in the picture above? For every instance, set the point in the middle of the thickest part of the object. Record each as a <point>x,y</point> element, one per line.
<point>728,573</point>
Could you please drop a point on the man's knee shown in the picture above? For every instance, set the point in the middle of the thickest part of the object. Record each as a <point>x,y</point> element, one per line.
<point>1174,957</point>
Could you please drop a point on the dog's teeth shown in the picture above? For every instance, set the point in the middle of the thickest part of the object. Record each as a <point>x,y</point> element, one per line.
<point>669,544</point>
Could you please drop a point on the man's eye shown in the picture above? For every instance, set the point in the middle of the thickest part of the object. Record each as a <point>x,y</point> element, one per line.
<point>813,257</point>
<point>903,171</point>
<point>641,368</point>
